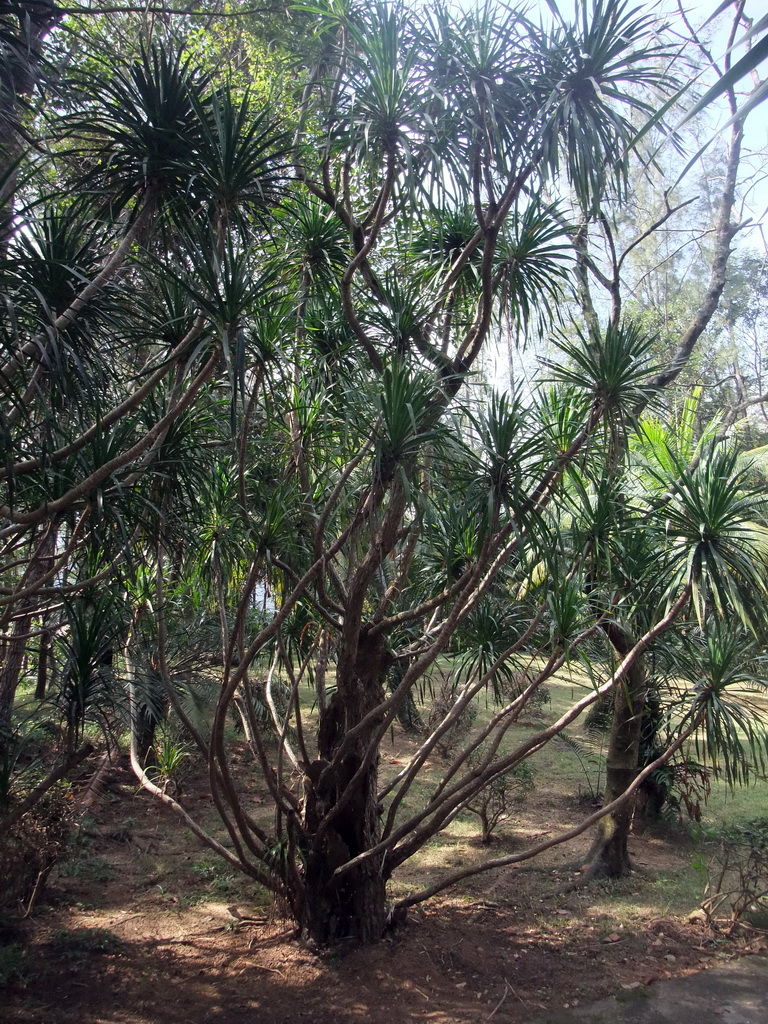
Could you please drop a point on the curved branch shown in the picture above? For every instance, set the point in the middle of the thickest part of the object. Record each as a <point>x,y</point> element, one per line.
<point>534,851</point>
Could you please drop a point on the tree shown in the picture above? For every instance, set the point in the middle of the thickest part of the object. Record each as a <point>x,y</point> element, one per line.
<point>607,264</point>
<point>282,438</point>
<point>23,27</point>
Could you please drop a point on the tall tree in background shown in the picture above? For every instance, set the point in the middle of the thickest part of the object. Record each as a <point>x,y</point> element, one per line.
<point>687,282</point>
<point>23,27</point>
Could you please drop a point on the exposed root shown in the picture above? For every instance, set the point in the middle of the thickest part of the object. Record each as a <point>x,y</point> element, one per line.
<point>589,873</point>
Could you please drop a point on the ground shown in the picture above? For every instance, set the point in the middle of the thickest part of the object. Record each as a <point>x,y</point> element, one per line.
<point>142,925</point>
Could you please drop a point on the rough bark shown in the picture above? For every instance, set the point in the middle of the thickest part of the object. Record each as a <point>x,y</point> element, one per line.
<point>609,855</point>
<point>44,658</point>
<point>408,713</point>
<point>354,906</point>
<point>25,25</point>
<point>14,649</point>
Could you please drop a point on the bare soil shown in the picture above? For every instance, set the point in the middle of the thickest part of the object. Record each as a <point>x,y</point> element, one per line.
<point>142,925</point>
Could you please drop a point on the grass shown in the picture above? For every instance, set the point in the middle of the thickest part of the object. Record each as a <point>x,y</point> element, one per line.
<point>79,943</point>
<point>727,806</point>
<point>93,868</point>
<point>204,882</point>
<point>220,883</point>
<point>674,892</point>
<point>12,963</point>
<point>565,776</point>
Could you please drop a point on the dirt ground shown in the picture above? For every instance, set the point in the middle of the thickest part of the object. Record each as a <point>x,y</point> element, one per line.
<point>141,925</point>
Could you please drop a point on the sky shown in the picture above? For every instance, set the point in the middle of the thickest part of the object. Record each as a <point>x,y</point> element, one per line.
<point>754,166</point>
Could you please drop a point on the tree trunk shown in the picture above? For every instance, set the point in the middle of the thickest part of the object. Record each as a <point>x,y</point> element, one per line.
<point>147,721</point>
<point>609,855</point>
<point>24,24</point>
<point>354,906</point>
<point>408,713</point>
<point>45,652</point>
<point>14,649</point>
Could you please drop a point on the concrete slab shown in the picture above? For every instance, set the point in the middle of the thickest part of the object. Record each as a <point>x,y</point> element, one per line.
<point>736,993</point>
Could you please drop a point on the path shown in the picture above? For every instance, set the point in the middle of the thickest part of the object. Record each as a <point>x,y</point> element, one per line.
<point>733,994</point>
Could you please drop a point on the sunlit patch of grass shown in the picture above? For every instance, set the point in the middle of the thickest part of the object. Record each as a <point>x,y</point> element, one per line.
<point>667,894</point>
<point>562,775</point>
<point>461,828</point>
<point>727,806</point>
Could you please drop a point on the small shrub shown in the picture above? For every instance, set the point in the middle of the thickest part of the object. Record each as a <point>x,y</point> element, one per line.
<point>509,688</point>
<point>494,802</point>
<point>31,846</point>
<point>678,790</point>
<point>123,832</point>
<point>592,765</point>
<point>94,869</point>
<point>169,763</point>
<point>218,881</point>
<point>458,731</point>
<point>540,699</point>
<point>737,874</point>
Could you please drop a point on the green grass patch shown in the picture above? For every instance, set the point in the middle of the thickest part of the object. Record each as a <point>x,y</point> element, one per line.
<point>728,806</point>
<point>83,942</point>
<point>13,963</point>
<point>92,869</point>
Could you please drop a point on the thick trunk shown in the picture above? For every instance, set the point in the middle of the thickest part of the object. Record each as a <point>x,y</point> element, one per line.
<point>146,731</point>
<point>355,905</point>
<point>609,856</point>
<point>152,710</point>
<point>653,794</point>
<point>13,653</point>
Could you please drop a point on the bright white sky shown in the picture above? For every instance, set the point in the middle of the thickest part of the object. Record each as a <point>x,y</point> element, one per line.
<point>756,134</point>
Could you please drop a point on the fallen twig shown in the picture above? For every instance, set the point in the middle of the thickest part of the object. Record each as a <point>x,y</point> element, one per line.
<point>498,1005</point>
<point>514,993</point>
<point>261,967</point>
